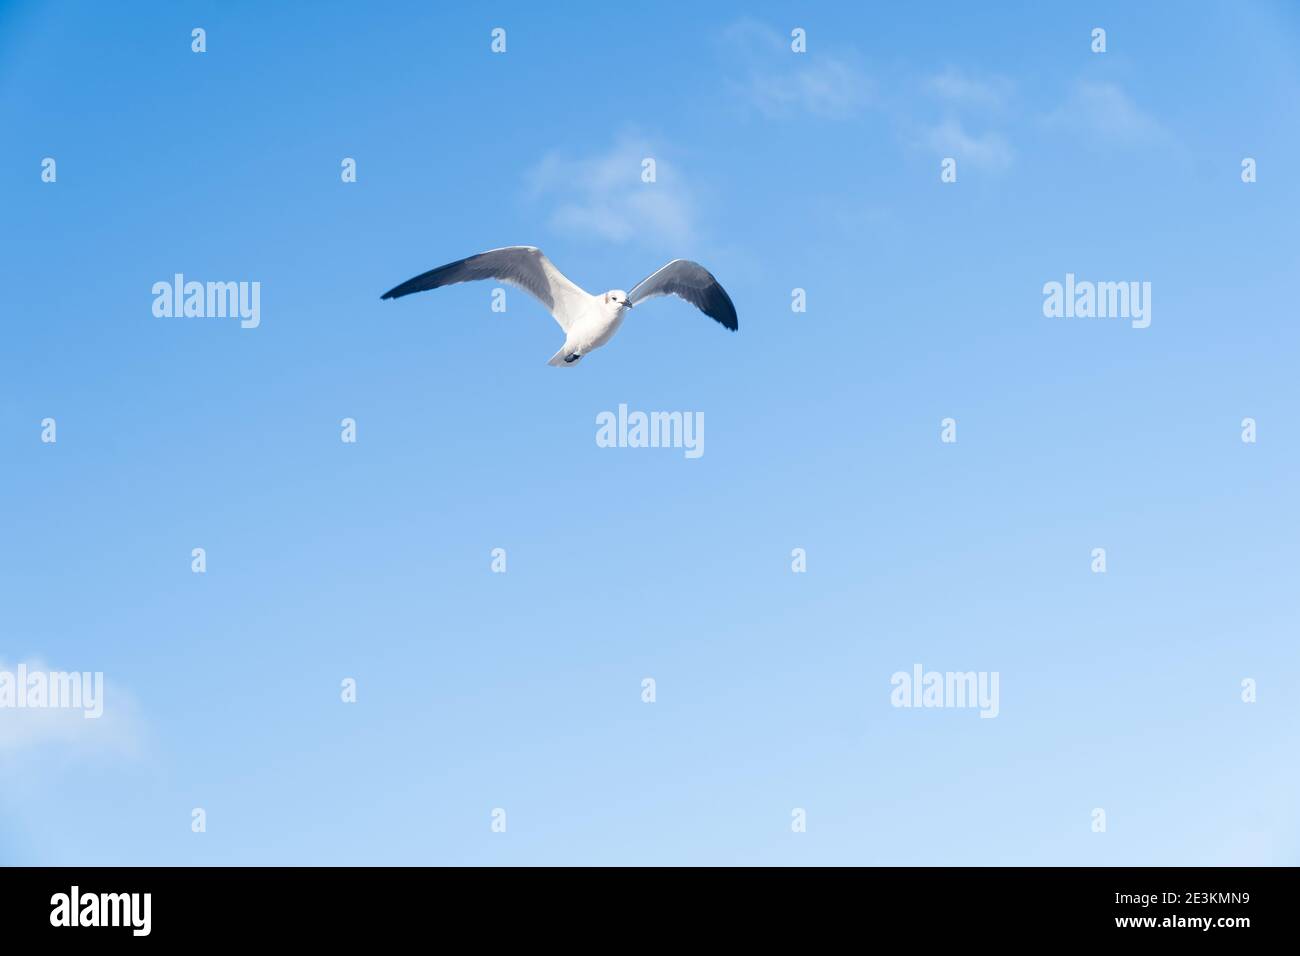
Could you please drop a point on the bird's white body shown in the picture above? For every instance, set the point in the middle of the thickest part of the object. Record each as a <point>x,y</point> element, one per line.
<point>591,325</point>
<point>588,321</point>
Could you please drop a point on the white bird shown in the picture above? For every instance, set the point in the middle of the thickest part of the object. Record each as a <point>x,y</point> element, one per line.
<point>588,321</point>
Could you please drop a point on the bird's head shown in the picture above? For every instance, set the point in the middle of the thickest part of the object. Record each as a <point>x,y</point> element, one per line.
<point>616,299</point>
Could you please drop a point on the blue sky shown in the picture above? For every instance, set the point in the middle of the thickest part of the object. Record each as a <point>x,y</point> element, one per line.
<point>522,690</point>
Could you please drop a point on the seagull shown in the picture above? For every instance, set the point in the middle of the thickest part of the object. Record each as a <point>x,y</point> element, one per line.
<point>588,321</point>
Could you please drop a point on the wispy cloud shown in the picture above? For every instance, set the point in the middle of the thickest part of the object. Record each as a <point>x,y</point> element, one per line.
<point>959,88</point>
<point>833,85</point>
<point>1104,111</point>
<point>987,151</point>
<point>604,195</point>
<point>39,731</point>
<point>781,83</point>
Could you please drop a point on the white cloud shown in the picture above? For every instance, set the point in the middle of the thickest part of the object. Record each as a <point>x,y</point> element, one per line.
<point>1105,111</point>
<point>962,89</point>
<point>781,83</point>
<point>989,151</point>
<point>603,195</point>
<point>43,730</point>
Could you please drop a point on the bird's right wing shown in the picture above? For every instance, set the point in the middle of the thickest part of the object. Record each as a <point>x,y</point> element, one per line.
<point>522,266</point>
<point>692,282</point>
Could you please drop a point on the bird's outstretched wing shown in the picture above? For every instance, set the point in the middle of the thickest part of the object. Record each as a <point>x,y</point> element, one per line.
<point>692,282</point>
<point>522,266</point>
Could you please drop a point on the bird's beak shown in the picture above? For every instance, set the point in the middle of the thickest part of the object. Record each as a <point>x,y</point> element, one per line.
<point>627,304</point>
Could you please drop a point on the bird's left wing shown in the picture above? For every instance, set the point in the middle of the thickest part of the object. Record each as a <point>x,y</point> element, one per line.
<point>692,282</point>
<point>523,266</point>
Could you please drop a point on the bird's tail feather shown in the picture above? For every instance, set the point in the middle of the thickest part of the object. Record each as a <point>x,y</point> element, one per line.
<point>558,359</point>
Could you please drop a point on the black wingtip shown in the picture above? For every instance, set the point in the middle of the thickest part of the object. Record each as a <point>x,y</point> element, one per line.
<point>406,288</point>
<point>724,310</point>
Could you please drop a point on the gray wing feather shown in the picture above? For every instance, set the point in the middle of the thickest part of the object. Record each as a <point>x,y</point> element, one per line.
<point>692,282</point>
<point>522,266</point>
